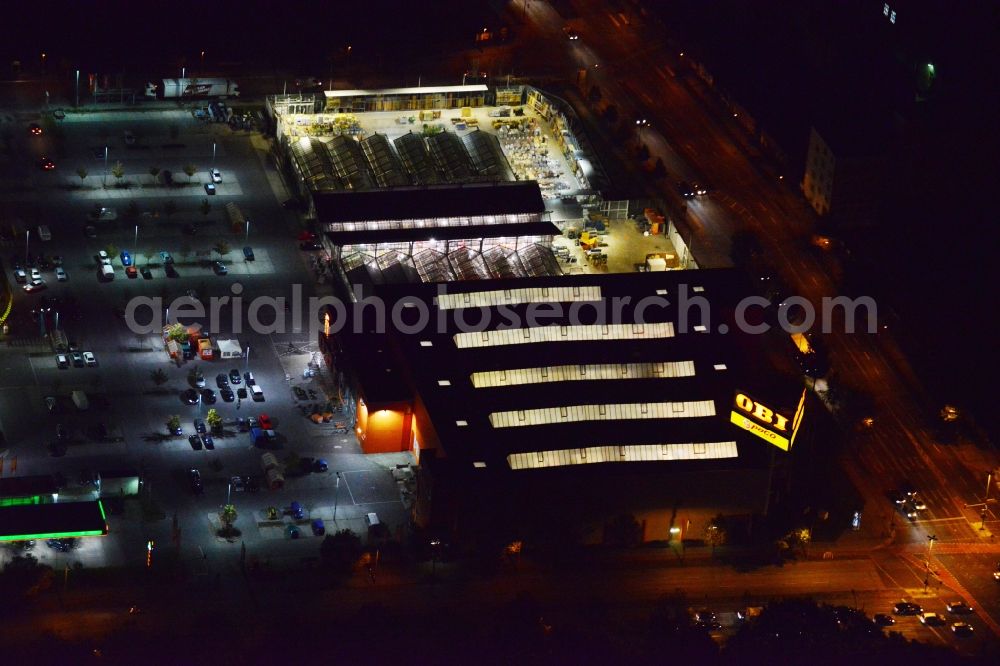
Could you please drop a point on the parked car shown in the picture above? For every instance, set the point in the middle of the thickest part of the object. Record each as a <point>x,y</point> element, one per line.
<point>883,620</point>
<point>208,396</point>
<point>126,258</point>
<point>78,359</point>
<point>166,257</point>
<point>265,422</point>
<point>311,246</point>
<point>61,361</point>
<point>33,286</point>
<point>248,376</point>
<point>221,380</point>
<point>199,426</point>
<point>931,619</point>
<point>234,376</point>
<point>320,465</point>
<point>207,440</point>
<point>89,359</point>
<point>962,629</point>
<point>195,478</point>
<point>216,176</point>
<point>195,442</point>
<point>20,276</point>
<point>318,528</point>
<point>959,607</point>
<point>237,484</point>
<point>227,394</point>
<point>146,273</point>
<point>61,274</point>
<point>220,268</point>
<point>248,253</point>
<point>297,511</point>
<point>210,188</point>
<point>190,396</point>
<point>45,164</point>
<point>907,608</point>
<point>257,393</point>
<point>34,129</point>
<point>292,531</point>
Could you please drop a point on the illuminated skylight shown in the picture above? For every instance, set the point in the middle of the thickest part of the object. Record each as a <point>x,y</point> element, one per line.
<point>608,412</point>
<point>590,372</point>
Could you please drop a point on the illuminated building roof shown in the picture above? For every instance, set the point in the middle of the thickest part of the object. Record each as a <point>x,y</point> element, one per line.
<point>480,299</point>
<point>575,391</point>
<point>425,90</point>
<point>52,521</point>
<point>464,200</point>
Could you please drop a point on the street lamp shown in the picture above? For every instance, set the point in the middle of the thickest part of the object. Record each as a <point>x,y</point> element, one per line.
<point>247,238</point>
<point>135,244</point>
<point>213,153</point>
<point>435,543</point>
<point>336,498</point>
<point>105,182</point>
<point>27,236</point>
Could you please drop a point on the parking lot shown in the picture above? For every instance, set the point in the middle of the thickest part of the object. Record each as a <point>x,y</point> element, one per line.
<point>123,398</point>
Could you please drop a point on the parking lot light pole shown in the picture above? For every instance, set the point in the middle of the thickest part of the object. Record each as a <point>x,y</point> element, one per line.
<point>105,181</point>
<point>27,237</point>
<point>336,498</point>
<point>213,153</point>
<point>247,237</point>
<point>229,493</point>
<point>135,244</point>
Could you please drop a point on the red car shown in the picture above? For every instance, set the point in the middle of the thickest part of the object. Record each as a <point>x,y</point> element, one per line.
<point>265,422</point>
<point>131,272</point>
<point>307,236</point>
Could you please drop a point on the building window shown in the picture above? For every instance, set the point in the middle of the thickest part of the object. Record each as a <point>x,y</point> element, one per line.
<point>644,408</point>
<point>541,456</point>
<point>563,412</point>
<point>602,410</point>
<point>520,415</point>
<point>677,407</point>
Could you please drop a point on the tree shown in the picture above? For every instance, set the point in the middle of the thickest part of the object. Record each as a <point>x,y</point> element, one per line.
<point>178,333</point>
<point>715,532</point>
<point>158,376</point>
<point>213,419</point>
<point>24,576</point>
<point>154,172</point>
<point>206,207</point>
<point>173,424</point>
<point>228,516</point>
<point>118,171</point>
<point>341,551</point>
<point>190,170</point>
<point>222,247</point>
<point>111,249</point>
<point>82,173</point>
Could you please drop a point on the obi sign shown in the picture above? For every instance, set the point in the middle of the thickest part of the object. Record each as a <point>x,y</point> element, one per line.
<point>766,423</point>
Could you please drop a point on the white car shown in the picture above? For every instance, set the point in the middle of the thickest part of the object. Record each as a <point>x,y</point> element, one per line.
<point>61,274</point>
<point>36,274</point>
<point>89,359</point>
<point>34,285</point>
<point>216,176</point>
<point>257,393</point>
<point>103,259</point>
<point>20,276</point>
